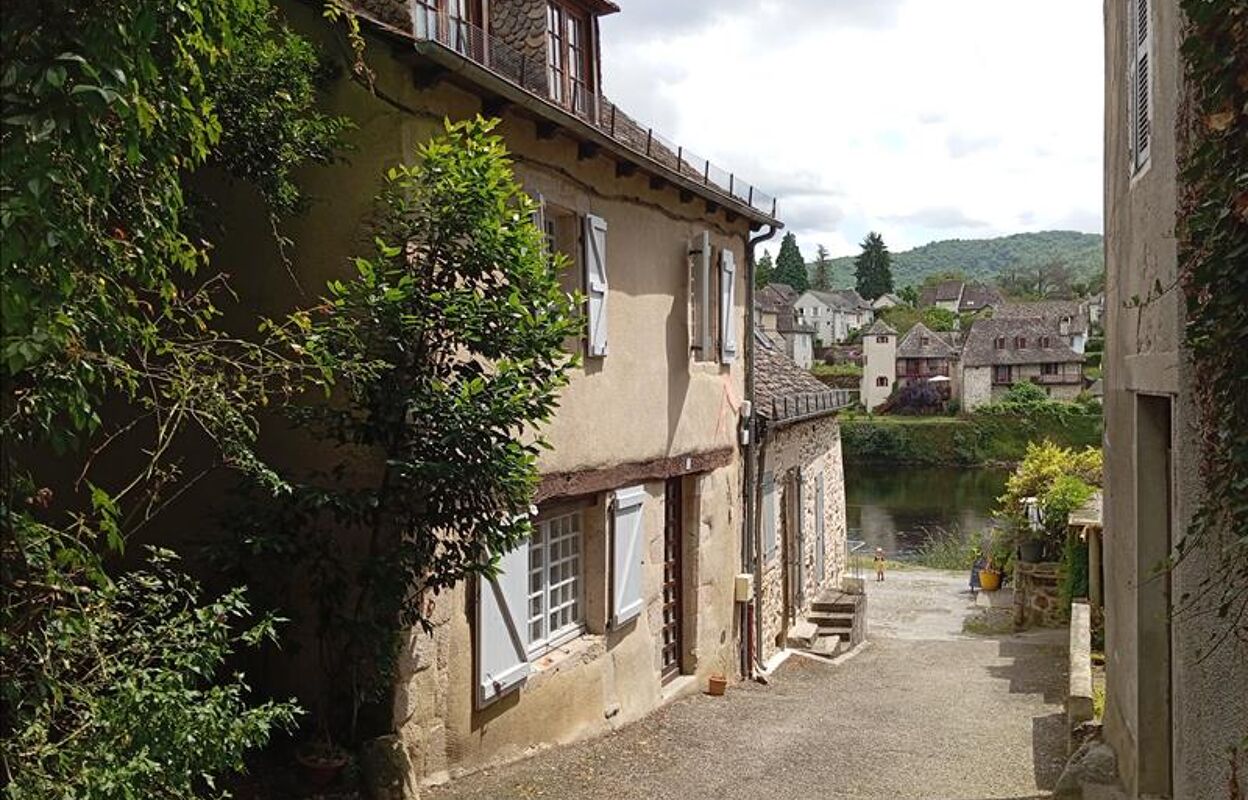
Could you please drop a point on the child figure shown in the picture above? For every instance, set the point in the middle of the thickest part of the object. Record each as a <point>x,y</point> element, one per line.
<point>879,563</point>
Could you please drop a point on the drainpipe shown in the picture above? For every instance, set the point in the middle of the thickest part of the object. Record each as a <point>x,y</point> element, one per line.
<point>751,540</point>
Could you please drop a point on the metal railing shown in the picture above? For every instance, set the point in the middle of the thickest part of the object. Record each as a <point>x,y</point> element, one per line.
<point>853,565</point>
<point>530,72</point>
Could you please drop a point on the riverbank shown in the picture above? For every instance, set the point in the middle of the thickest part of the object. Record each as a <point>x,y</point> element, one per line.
<point>994,439</point>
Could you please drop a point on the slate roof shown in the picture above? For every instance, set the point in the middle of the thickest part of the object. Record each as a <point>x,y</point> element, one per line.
<point>941,292</point>
<point>775,298</point>
<point>843,299</point>
<point>977,296</point>
<point>938,345</point>
<point>778,379</point>
<point>879,328</point>
<point>787,322</point>
<point>1050,311</point>
<point>980,350</point>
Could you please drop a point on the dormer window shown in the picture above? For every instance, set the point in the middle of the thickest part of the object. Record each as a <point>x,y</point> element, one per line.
<point>1020,342</point>
<point>924,341</point>
<point>998,343</point>
<point>567,57</point>
<point>1044,341</point>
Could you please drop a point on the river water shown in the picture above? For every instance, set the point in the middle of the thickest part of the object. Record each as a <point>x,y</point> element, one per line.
<point>899,507</point>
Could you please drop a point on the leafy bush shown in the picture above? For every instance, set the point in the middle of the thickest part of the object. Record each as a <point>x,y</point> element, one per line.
<point>951,549</point>
<point>970,439</point>
<point>836,370</point>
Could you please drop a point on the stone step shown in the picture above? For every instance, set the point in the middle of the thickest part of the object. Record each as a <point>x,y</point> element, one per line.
<point>840,634</point>
<point>827,646</point>
<point>837,603</point>
<point>802,635</point>
<point>832,619</point>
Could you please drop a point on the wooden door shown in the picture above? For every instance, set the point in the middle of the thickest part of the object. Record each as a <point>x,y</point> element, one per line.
<point>673,607</point>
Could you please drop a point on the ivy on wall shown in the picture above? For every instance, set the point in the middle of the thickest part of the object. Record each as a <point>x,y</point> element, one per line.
<point>1212,227</point>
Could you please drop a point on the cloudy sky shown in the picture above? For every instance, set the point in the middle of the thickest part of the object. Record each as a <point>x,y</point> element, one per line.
<point>922,119</point>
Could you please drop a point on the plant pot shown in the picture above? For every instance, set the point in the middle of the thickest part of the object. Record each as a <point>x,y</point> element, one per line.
<point>989,580</point>
<point>1031,551</point>
<point>716,686</point>
<point>321,764</point>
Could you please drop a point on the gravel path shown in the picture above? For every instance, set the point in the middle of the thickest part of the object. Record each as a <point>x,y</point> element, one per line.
<point>923,711</point>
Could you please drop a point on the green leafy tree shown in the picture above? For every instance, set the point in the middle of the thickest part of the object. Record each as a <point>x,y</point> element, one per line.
<point>764,270</point>
<point>909,295</point>
<point>823,269</point>
<point>111,341</point>
<point>790,266</point>
<point>939,319</point>
<point>872,268</point>
<point>449,347</point>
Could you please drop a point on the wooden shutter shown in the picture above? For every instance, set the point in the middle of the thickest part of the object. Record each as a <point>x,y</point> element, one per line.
<point>627,548</point>
<point>727,307</point>
<point>1139,105</point>
<point>502,633</point>
<point>700,249</point>
<point>821,544</point>
<point>769,516</point>
<point>596,282</point>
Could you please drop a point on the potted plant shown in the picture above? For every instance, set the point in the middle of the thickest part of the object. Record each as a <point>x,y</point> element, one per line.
<point>322,761</point>
<point>716,685</point>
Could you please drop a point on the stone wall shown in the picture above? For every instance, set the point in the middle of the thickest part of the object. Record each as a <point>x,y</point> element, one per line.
<point>815,447</point>
<point>1037,602</point>
<point>520,25</point>
<point>976,387</point>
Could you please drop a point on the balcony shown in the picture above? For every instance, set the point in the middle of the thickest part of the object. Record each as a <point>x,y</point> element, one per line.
<point>528,72</point>
<point>1059,378</point>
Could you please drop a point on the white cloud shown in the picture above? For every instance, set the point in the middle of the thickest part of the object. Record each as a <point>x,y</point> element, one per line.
<point>917,118</point>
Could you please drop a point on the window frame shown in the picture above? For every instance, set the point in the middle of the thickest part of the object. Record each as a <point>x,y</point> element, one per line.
<point>540,543</point>
<point>563,87</point>
<point>1139,159</point>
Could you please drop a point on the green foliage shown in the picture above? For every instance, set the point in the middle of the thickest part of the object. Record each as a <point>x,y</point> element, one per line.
<point>837,370</point>
<point>822,269</point>
<point>909,295</point>
<point>872,271</point>
<point>790,268</point>
<point>449,346</point>
<point>764,271</point>
<point>940,319</point>
<point>1213,243</point>
<point>1061,479</point>
<point>951,549</point>
<point>986,259</point>
<point>111,345</point>
<point>903,318</point>
<point>973,439</point>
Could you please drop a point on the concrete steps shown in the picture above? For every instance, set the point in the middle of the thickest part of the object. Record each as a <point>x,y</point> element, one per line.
<point>841,616</point>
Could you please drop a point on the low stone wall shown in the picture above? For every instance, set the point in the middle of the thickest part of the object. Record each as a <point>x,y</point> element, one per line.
<point>1079,706</point>
<point>1036,597</point>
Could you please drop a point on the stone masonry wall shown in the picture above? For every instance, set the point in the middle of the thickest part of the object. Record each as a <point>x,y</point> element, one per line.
<point>1036,598</point>
<point>815,447</point>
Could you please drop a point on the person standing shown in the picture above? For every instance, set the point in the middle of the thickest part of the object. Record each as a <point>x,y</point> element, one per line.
<point>879,563</point>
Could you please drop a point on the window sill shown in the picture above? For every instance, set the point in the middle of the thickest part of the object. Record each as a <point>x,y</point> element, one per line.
<point>581,650</point>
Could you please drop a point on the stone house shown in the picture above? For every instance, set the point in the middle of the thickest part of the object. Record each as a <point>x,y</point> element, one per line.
<point>624,596</point>
<point>833,314</point>
<point>959,297</point>
<point>925,355</point>
<point>774,315</point>
<point>879,364</point>
<point>1071,318</point>
<point>1001,352</point>
<point>886,300</point>
<point>1174,710</point>
<point>801,495</point>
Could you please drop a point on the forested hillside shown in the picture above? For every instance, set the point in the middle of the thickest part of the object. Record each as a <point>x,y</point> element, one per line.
<point>985,259</point>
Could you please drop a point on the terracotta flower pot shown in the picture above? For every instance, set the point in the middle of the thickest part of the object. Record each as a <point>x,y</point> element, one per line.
<point>717,685</point>
<point>322,764</point>
<point>989,580</point>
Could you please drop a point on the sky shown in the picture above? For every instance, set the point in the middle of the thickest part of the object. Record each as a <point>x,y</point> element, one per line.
<point>920,119</point>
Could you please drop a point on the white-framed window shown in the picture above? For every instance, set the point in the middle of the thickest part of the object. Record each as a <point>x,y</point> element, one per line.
<point>1139,84</point>
<point>556,609</point>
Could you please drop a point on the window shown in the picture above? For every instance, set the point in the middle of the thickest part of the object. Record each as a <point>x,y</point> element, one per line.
<point>1139,85</point>
<point>998,343</point>
<point>881,340</point>
<point>567,57</point>
<point>882,381</point>
<point>769,516</point>
<point>556,613</point>
<point>1001,374</point>
<point>454,23</point>
<point>1048,369</point>
<point>1045,342</point>
<point>924,341</point>
<point>1020,342</point>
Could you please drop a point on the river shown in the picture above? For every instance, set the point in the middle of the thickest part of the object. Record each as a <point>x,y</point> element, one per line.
<point>898,507</point>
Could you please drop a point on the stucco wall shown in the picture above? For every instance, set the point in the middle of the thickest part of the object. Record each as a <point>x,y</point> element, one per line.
<point>1144,359</point>
<point>879,360</point>
<point>815,447</point>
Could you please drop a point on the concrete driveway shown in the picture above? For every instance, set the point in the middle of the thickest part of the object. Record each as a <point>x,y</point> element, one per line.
<point>923,711</point>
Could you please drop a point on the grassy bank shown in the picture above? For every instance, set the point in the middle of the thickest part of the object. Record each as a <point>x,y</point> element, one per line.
<point>965,440</point>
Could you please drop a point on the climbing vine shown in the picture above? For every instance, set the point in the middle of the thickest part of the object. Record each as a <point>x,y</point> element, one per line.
<point>1213,272</point>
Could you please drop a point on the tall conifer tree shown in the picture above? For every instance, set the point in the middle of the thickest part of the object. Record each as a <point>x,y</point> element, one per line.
<point>790,266</point>
<point>873,267</point>
<point>823,270</point>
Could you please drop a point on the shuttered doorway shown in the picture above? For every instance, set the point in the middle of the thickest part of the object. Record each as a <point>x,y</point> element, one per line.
<point>673,610</point>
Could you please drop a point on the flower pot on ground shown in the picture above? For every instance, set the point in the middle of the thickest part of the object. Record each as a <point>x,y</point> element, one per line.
<point>717,685</point>
<point>989,580</point>
<point>321,762</point>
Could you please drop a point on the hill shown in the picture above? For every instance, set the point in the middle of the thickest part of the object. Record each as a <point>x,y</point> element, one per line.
<point>985,259</point>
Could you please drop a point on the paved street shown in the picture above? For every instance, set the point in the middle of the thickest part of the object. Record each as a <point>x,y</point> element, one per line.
<point>924,711</point>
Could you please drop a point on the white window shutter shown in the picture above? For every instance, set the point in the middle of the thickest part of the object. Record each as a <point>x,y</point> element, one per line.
<point>502,635</point>
<point>596,282</point>
<point>727,307</point>
<point>769,516</point>
<point>627,548</point>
